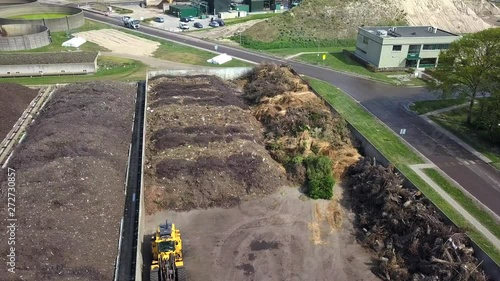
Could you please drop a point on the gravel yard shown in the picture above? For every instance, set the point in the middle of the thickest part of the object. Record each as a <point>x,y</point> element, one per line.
<point>70,174</point>
<point>14,99</point>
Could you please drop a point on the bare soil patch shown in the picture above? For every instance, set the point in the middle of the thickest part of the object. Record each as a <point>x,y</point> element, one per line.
<point>70,173</point>
<point>204,147</point>
<point>279,237</point>
<point>14,99</point>
<point>120,42</point>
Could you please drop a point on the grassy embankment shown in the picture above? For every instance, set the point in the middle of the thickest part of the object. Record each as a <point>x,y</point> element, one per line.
<point>386,141</point>
<point>425,106</point>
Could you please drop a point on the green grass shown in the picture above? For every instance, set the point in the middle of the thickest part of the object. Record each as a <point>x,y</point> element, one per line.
<point>285,52</point>
<point>425,106</point>
<point>454,121</point>
<point>380,135</point>
<point>339,61</point>
<point>40,16</point>
<point>179,53</point>
<point>249,18</point>
<point>110,68</point>
<point>483,217</point>
<point>400,155</point>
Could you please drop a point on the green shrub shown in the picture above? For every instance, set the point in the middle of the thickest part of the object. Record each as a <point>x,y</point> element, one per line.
<point>320,180</point>
<point>291,42</point>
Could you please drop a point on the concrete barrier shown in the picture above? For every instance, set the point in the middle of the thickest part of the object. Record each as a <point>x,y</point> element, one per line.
<point>17,37</point>
<point>73,20</point>
<point>222,72</point>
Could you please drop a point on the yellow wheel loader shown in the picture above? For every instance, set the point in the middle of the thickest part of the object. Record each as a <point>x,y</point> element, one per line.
<point>168,263</point>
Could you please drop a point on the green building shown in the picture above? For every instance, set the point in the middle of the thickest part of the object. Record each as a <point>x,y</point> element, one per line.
<point>388,47</point>
<point>183,11</point>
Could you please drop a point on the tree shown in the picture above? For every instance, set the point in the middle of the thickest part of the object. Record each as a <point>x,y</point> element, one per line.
<point>466,68</point>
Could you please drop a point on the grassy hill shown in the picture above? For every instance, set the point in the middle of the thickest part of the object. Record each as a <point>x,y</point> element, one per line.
<point>323,22</point>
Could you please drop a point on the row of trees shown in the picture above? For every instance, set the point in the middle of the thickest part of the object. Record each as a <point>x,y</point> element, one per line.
<point>470,69</point>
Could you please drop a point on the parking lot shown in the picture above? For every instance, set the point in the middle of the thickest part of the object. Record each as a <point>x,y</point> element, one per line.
<point>170,23</point>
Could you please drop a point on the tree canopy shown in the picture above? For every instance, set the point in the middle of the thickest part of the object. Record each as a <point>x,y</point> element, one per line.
<point>471,66</point>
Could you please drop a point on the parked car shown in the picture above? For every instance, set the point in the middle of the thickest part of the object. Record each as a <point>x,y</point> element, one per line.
<point>220,22</point>
<point>159,19</point>
<point>184,20</point>
<point>214,24</point>
<point>198,25</point>
<point>191,18</point>
<point>183,25</point>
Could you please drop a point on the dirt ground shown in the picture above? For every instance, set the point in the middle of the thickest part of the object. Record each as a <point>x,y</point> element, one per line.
<point>280,237</point>
<point>14,99</point>
<point>120,42</point>
<point>204,147</point>
<point>70,174</point>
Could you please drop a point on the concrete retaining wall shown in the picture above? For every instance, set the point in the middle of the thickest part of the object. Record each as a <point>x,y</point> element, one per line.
<point>73,20</point>
<point>17,37</point>
<point>367,149</point>
<point>222,72</point>
<point>47,69</point>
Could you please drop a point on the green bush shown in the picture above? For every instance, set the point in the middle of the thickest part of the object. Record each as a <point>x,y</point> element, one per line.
<point>320,180</point>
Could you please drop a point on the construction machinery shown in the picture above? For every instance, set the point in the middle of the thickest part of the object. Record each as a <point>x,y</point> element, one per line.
<point>168,262</point>
<point>130,22</point>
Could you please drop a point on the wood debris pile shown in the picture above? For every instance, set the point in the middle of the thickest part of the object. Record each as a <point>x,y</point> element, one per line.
<point>406,231</point>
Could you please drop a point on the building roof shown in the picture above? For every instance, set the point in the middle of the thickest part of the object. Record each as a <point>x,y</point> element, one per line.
<point>182,7</point>
<point>47,58</point>
<point>408,31</point>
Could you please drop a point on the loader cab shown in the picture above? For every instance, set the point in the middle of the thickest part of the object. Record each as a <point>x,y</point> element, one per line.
<point>166,246</point>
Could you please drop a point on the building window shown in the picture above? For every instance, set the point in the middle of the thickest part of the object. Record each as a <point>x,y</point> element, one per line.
<point>436,46</point>
<point>361,50</point>
<point>63,70</point>
<point>428,61</point>
<point>8,72</point>
<point>396,48</point>
<point>365,40</point>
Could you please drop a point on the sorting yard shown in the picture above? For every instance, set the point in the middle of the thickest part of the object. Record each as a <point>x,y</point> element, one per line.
<point>70,174</point>
<point>206,149</point>
<point>14,99</point>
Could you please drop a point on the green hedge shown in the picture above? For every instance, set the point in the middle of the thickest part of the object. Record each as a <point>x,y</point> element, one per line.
<point>284,43</point>
<point>320,180</point>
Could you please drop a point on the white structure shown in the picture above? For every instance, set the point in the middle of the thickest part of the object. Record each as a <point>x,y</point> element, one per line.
<point>220,59</point>
<point>74,42</point>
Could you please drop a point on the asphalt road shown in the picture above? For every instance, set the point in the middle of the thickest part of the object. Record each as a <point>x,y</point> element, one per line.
<point>388,103</point>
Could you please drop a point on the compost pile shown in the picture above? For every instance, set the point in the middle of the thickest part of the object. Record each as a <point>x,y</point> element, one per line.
<point>204,147</point>
<point>14,99</point>
<point>70,175</point>
<point>406,231</point>
<point>298,123</point>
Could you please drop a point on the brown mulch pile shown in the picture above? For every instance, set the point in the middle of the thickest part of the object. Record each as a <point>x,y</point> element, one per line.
<point>297,122</point>
<point>14,99</point>
<point>409,236</point>
<point>204,147</point>
<point>70,175</point>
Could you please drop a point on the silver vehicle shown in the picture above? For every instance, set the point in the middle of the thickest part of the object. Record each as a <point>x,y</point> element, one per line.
<point>130,22</point>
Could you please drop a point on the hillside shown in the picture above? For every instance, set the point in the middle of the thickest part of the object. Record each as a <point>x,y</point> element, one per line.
<point>328,19</point>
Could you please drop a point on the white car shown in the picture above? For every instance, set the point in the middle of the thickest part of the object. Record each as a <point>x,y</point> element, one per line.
<point>183,25</point>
